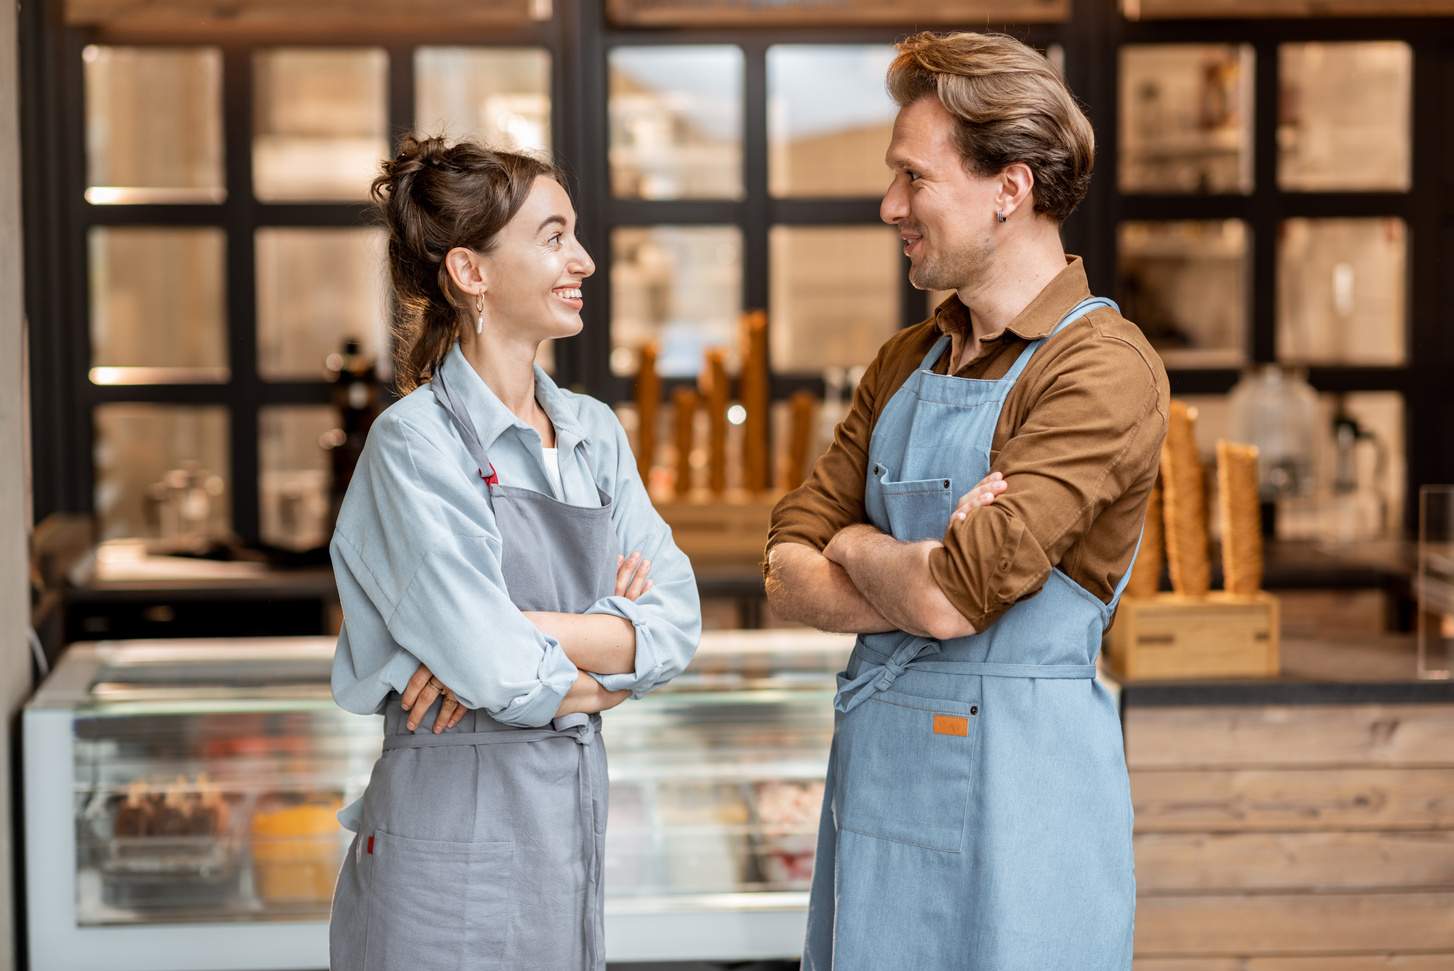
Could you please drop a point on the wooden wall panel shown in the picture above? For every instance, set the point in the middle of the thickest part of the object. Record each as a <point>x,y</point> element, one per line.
<point>1293,861</point>
<point>1302,735</point>
<point>1188,800</point>
<point>1236,924</point>
<point>1297,838</point>
<point>1320,962</point>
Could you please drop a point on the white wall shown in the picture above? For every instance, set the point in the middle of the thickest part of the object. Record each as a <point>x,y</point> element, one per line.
<point>14,590</point>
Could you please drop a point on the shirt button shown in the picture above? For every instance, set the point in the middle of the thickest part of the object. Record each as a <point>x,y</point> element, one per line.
<point>974,709</point>
<point>1004,565</point>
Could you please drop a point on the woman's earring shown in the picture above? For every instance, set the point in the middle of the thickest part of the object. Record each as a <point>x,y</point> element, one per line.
<point>480,310</point>
<point>999,215</point>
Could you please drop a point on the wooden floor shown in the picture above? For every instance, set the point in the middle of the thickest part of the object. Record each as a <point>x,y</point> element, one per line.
<point>1295,838</point>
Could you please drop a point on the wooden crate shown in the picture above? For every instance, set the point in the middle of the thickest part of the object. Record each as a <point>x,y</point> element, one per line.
<point>1221,635</point>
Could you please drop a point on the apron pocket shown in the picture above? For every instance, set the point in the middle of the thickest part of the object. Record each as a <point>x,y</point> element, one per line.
<point>918,509</point>
<point>903,769</point>
<point>436,904</point>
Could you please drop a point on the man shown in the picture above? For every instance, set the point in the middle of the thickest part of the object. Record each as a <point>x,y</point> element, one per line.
<point>978,814</point>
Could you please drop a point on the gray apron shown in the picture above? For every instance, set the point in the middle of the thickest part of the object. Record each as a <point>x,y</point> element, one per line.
<point>481,848</point>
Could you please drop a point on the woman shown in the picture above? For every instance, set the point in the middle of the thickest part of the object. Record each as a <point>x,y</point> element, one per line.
<point>489,612</point>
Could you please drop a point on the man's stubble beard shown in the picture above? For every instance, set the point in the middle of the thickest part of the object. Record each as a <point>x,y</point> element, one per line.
<point>953,271</point>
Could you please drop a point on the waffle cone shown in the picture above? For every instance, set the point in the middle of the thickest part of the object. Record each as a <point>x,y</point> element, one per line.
<point>1241,517</point>
<point>1146,573</point>
<point>1184,500</point>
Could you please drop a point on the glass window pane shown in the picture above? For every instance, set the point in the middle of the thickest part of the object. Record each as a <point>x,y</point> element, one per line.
<point>498,95</point>
<point>678,285</point>
<point>1341,291</point>
<point>162,472</point>
<point>1185,285</point>
<point>158,305</point>
<point>829,119</point>
<point>1186,118</point>
<point>295,474</point>
<point>153,124</point>
<point>1344,116</point>
<point>676,122</point>
<point>320,123</point>
<point>317,288</point>
<point>835,294</point>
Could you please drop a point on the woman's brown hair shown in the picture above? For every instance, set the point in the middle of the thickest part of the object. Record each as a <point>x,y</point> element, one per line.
<point>434,196</point>
<point>1011,106</point>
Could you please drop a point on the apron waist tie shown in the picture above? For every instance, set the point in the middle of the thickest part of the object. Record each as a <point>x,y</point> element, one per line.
<point>579,727</point>
<point>880,677</point>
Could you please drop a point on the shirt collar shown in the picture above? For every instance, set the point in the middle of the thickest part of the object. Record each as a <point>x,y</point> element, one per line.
<point>489,413</point>
<point>1038,318</point>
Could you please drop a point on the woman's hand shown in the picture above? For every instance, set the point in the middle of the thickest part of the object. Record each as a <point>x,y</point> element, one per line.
<point>982,494</point>
<point>420,693</point>
<point>631,582</point>
<point>630,586</point>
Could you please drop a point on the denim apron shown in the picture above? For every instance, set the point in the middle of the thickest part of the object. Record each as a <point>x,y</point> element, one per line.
<point>481,848</point>
<point>978,812</point>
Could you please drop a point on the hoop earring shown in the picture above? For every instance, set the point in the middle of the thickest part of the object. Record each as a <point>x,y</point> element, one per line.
<point>480,310</point>
<point>999,215</point>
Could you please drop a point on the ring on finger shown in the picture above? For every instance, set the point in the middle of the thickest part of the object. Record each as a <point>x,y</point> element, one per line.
<point>436,685</point>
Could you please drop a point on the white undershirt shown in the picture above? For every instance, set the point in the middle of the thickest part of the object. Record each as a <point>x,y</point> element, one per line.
<point>552,472</point>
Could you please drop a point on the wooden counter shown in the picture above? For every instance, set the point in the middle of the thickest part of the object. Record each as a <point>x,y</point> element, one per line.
<point>1304,823</point>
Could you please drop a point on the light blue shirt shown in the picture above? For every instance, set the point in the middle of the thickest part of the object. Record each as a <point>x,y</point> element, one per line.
<point>416,554</point>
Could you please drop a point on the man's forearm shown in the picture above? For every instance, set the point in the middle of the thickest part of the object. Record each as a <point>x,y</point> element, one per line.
<point>804,586</point>
<point>895,579</point>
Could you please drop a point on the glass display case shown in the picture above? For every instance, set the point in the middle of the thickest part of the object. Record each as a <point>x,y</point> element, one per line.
<point>180,801</point>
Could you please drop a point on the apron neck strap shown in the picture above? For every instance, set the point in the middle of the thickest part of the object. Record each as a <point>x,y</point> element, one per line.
<point>453,407</point>
<point>934,354</point>
<point>1126,577</point>
<point>1076,312</point>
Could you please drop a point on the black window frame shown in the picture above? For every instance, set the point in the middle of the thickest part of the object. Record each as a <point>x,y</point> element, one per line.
<point>579,38</point>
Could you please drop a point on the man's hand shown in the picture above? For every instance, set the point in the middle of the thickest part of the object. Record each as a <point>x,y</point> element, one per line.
<point>982,494</point>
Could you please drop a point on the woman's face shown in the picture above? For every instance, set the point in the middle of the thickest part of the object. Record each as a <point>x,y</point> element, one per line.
<point>534,274</point>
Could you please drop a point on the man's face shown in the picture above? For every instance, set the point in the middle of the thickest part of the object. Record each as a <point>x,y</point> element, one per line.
<point>944,213</point>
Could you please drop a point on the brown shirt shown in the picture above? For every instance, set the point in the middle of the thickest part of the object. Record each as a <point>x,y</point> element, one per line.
<point>1078,441</point>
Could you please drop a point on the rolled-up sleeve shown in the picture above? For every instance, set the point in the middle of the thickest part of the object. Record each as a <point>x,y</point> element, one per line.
<point>667,618</point>
<point>1091,437</point>
<point>417,558</point>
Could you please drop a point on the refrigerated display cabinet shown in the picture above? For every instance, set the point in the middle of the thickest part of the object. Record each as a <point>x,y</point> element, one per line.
<point>180,800</point>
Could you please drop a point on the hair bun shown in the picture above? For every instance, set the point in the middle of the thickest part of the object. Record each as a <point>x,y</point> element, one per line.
<point>414,155</point>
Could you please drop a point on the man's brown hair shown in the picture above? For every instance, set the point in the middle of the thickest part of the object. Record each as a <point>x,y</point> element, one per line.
<point>1011,105</point>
